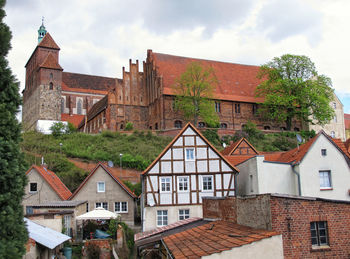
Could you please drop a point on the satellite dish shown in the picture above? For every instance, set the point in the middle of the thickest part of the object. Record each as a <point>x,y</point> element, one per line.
<point>110,163</point>
<point>224,144</point>
<point>299,138</point>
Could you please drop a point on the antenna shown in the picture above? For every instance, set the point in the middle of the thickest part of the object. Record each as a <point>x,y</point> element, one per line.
<point>110,163</point>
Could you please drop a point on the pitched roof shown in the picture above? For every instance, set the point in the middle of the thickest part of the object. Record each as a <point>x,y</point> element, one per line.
<point>48,42</point>
<point>112,174</point>
<point>212,238</point>
<point>236,160</point>
<point>159,230</point>
<point>188,125</point>
<point>81,81</point>
<point>50,62</point>
<point>52,179</point>
<point>95,109</point>
<point>75,119</point>
<point>60,204</point>
<point>229,150</point>
<point>236,82</point>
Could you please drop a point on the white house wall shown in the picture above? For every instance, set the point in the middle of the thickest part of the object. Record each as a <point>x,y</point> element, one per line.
<point>173,164</point>
<point>334,161</point>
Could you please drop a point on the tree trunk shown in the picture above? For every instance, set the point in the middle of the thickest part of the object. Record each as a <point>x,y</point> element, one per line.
<point>289,123</point>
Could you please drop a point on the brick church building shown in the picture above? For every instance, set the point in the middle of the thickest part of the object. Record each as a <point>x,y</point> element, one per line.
<point>94,103</point>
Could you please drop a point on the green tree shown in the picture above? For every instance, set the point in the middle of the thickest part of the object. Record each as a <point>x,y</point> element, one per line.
<point>194,92</point>
<point>13,233</point>
<point>293,89</point>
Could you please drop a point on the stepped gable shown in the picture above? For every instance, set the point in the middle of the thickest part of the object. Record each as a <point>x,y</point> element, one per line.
<point>53,180</point>
<point>75,119</point>
<point>50,62</point>
<point>236,82</point>
<point>48,42</point>
<point>213,238</point>
<point>88,82</point>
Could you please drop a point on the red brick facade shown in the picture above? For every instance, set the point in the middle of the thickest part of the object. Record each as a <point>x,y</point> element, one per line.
<point>290,216</point>
<point>143,98</point>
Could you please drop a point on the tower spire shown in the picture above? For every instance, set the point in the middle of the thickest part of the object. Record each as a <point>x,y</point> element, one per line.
<point>42,30</point>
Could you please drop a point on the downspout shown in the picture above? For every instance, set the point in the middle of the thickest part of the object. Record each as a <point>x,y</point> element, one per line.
<point>298,175</point>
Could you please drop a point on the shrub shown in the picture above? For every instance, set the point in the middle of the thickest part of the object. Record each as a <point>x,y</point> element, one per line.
<point>136,188</point>
<point>129,126</point>
<point>71,128</point>
<point>212,136</point>
<point>58,128</point>
<point>93,251</point>
<point>129,235</point>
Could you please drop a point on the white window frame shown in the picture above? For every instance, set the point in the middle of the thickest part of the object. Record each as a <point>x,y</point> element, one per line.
<point>212,183</point>
<point>322,174</point>
<point>162,217</point>
<point>120,207</point>
<point>30,189</point>
<point>185,180</point>
<point>104,187</point>
<point>166,179</point>
<point>194,156</point>
<point>101,203</point>
<point>332,134</point>
<point>182,213</point>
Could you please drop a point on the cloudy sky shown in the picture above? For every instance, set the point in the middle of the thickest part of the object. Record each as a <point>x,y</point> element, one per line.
<point>99,36</point>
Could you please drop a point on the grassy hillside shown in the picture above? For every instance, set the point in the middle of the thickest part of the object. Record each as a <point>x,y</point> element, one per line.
<point>139,149</point>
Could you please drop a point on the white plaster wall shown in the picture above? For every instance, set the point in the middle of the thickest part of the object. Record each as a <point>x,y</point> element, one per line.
<point>150,214</point>
<point>247,168</point>
<point>55,224</point>
<point>334,161</point>
<point>271,247</point>
<point>276,178</point>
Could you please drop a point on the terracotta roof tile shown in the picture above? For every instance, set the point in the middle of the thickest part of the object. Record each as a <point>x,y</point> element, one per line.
<point>236,82</point>
<point>52,179</point>
<point>50,62</point>
<point>82,90</point>
<point>213,237</point>
<point>112,174</point>
<point>236,160</point>
<point>48,42</point>
<point>75,119</point>
<point>81,81</point>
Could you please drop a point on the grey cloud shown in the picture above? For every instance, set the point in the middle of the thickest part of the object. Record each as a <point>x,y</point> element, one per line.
<point>282,19</point>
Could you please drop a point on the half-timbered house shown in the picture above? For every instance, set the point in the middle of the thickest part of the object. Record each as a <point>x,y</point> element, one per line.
<point>188,169</point>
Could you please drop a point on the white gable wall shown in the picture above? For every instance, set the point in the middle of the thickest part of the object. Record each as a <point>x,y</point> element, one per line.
<point>334,161</point>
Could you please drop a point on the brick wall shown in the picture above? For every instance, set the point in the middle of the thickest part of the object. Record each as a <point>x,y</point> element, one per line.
<point>290,216</point>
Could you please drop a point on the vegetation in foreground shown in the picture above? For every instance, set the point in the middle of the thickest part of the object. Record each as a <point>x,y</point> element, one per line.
<point>139,149</point>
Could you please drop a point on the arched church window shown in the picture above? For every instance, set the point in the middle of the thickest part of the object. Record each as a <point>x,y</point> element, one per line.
<point>79,106</point>
<point>51,86</point>
<point>51,76</point>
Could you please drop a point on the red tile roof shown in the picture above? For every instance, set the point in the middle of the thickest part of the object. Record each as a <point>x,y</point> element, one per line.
<point>50,62</point>
<point>212,238</point>
<point>347,120</point>
<point>96,109</point>
<point>75,119</point>
<point>88,82</point>
<point>48,42</point>
<point>236,82</point>
<point>236,160</point>
<point>159,230</point>
<point>52,179</point>
<point>112,174</point>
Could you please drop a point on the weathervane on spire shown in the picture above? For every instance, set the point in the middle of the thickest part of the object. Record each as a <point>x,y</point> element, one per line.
<point>42,30</point>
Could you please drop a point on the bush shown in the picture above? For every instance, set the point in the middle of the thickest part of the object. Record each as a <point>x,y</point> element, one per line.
<point>213,137</point>
<point>58,129</point>
<point>129,126</point>
<point>136,188</point>
<point>93,251</point>
<point>129,235</point>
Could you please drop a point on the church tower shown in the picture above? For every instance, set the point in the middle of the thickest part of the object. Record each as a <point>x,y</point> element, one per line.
<point>43,86</point>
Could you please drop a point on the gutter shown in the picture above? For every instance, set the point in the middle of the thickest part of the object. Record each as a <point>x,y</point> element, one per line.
<point>298,175</point>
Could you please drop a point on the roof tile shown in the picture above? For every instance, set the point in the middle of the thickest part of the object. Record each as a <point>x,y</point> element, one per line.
<point>52,179</point>
<point>214,238</point>
<point>235,81</point>
<point>50,62</point>
<point>48,42</point>
<point>75,119</point>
